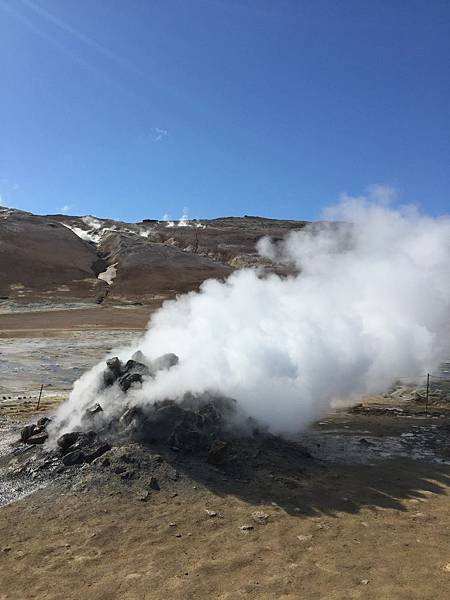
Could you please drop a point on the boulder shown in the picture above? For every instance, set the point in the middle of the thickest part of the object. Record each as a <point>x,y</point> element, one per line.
<point>133,366</point>
<point>38,437</point>
<point>43,422</point>
<point>67,439</point>
<point>76,457</point>
<point>139,357</point>
<point>27,432</point>
<point>97,452</point>
<point>93,410</point>
<point>114,369</point>
<point>133,372</point>
<point>127,380</point>
<point>164,362</point>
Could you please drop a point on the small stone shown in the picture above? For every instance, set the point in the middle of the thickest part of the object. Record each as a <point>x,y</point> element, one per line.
<point>246,527</point>
<point>144,496</point>
<point>99,451</point>
<point>304,538</point>
<point>365,442</point>
<point>153,484</point>
<point>211,513</point>
<point>178,535</point>
<point>7,549</point>
<point>172,524</point>
<point>364,581</point>
<point>260,517</point>
<point>43,422</point>
<point>446,568</point>
<point>93,410</point>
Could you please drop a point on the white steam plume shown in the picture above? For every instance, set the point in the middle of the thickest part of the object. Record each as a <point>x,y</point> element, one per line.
<point>369,302</point>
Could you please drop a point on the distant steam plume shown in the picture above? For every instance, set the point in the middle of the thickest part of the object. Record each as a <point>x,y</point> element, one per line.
<point>368,301</point>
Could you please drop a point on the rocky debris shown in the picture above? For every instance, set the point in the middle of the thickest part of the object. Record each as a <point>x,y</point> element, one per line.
<point>217,454</point>
<point>153,484</point>
<point>412,393</point>
<point>156,446</point>
<point>27,432</point>
<point>43,422</point>
<point>135,369</point>
<point>35,433</point>
<point>67,439</point>
<point>38,437</point>
<point>93,410</point>
<point>393,411</point>
<point>75,457</point>
<point>260,517</point>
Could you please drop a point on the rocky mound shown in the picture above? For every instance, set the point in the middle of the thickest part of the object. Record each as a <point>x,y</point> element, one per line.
<point>149,444</point>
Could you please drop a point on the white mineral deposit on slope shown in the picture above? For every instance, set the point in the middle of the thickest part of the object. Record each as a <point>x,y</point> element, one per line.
<point>109,275</point>
<point>370,302</point>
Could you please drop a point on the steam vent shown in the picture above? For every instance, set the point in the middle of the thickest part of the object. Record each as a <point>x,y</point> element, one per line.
<point>145,443</point>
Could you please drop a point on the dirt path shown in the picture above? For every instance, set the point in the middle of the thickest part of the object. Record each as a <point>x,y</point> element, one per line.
<point>55,322</point>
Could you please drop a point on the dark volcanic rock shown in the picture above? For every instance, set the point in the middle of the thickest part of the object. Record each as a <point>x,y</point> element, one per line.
<point>127,380</point>
<point>67,439</point>
<point>114,369</point>
<point>76,457</point>
<point>98,451</point>
<point>217,454</point>
<point>43,422</point>
<point>27,432</point>
<point>164,362</point>
<point>38,438</point>
<point>93,410</point>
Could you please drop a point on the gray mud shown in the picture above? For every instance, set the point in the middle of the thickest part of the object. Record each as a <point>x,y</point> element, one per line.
<point>56,362</point>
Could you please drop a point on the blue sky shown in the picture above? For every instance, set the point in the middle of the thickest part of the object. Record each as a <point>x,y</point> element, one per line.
<point>138,108</point>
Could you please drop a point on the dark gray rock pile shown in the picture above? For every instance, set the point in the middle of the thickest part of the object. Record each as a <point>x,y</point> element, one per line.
<point>136,369</point>
<point>203,424</point>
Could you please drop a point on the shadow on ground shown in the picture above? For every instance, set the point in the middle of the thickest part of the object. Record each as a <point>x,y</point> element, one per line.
<point>276,471</point>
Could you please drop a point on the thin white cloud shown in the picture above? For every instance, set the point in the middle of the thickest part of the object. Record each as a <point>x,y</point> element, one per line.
<point>81,37</point>
<point>1,200</point>
<point>65,209</point>
<point>159,134</point>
